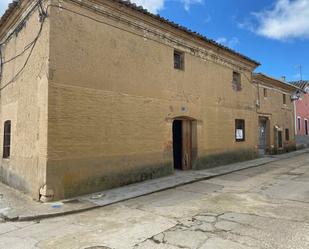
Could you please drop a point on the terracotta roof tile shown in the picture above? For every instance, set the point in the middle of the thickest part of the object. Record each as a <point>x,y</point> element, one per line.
<point>133,6</point>
<point>301,83</point>
<point>9,10</point>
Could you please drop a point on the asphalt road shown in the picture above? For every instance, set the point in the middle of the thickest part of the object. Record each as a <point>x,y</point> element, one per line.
<point>263,207</point>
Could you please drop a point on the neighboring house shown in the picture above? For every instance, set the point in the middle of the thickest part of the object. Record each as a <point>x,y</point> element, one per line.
<point>302,113</point>
<point>98,94</point>
<point>275,114</point>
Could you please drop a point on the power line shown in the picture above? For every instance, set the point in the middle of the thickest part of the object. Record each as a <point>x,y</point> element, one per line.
<point>18,55</point>
<point>22,21</point>
<point>26,62</point>
<point>30,46</point>
<point>43,14</point>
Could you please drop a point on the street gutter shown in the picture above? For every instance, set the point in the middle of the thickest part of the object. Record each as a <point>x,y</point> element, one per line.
<point>133,191</point>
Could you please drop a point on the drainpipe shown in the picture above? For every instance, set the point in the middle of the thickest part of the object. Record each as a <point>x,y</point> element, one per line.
<point>295,118</point>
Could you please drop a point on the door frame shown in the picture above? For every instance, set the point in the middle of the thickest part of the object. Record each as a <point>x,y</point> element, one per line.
<point>189,142</point>
<point>267,134</point>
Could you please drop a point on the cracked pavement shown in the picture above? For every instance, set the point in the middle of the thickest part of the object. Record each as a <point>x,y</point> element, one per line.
<point>262,207</point>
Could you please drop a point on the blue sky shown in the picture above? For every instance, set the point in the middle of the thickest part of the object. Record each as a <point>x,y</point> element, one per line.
<point>273,32</point>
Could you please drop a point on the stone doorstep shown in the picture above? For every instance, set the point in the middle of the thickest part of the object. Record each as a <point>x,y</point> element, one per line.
<point>132,191</point>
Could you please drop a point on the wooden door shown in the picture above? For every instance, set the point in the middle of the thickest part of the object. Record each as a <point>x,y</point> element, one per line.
<point>262,138</point>
<point>186,145</point>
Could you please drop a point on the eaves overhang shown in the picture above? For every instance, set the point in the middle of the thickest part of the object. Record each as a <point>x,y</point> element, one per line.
<point>17,5</point>
<point>273,82</point>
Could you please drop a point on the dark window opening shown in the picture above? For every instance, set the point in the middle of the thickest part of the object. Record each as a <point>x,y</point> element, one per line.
<point>287,135</point>
<point>280,144</point>
<point>236,81</point>
<point>265,93</point>
<point>240,133</point>
<point>179,62</point>
<point>284,99</point>
<point>306,127</point>
<point>299,123</point>
<point>7,139</point>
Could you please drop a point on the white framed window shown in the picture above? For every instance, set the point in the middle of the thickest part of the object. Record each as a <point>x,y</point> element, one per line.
<point>240,134</point>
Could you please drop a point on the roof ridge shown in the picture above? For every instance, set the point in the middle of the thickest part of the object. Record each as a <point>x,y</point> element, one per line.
<point>303,84</point>
<point>300,81</point>
<point>133,6</point>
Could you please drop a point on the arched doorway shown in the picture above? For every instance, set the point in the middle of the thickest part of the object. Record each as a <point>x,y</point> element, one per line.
<point>184,143</point>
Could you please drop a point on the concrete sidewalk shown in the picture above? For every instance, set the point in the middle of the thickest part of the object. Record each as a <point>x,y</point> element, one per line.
<point>15,206</point>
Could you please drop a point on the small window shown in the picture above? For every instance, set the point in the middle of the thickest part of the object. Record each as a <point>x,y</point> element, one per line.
<point>284,99</point>
<point>299,123</point>
<point>280,144</point>
<point>179,62</point>
<point>265,92</point>
<point>7,139</point>
<point>306,127</point>
<point>240,130</point>
<point>236,81</point>
<point>287,135</point>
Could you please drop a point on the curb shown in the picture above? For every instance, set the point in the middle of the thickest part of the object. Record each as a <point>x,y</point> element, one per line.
<point>37,217</point>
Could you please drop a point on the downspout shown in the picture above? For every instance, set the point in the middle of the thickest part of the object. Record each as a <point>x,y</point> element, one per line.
<point>295,118</point>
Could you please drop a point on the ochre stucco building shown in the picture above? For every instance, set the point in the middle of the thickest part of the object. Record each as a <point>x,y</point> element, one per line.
<point>98,94</point>
<point>275,114</point>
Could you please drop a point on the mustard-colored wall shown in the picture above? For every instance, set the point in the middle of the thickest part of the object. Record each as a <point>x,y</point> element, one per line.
<point>113,93</point>
<point>94,107</point>
<point>279,114</point>
<point>24,102</point>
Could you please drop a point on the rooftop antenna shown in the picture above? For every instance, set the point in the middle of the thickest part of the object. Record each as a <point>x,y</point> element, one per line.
<point>300,72</point>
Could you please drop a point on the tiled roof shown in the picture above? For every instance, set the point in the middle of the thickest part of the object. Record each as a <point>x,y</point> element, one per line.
<point>133,6</point>
<point>280,82</point>
<point>11,7</point>
<point>301,84</point>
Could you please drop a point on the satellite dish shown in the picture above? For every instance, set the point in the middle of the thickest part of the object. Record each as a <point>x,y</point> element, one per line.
<point>296,96</point>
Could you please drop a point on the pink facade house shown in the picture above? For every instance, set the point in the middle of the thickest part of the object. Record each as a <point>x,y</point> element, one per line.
<point>302,114</point>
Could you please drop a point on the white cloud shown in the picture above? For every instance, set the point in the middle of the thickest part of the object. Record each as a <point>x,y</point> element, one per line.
<point>222,40</point>
<point>187,3</point>
<point>287,19</point>
<point>155,6</point>
<point>231,43</point>
<point>151,5</point>
<point>207,19</point>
